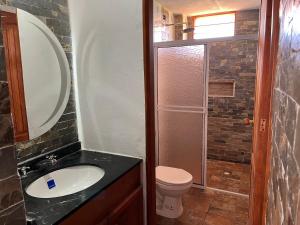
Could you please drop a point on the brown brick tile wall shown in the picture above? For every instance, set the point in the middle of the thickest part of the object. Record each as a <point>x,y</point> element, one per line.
<point>228,138</point>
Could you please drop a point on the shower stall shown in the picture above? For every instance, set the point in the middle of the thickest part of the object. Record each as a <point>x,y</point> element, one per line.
<point>181,94</point>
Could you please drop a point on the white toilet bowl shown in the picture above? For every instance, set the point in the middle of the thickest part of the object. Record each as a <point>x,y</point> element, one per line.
<point>171,184</point>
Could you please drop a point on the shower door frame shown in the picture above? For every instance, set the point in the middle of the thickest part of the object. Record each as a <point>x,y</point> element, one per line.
<point>184,43</point>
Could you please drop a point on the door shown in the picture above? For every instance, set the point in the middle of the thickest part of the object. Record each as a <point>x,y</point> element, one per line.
<point>181,108</point>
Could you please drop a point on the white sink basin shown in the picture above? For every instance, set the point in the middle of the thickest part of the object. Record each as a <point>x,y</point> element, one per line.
<point>67,181</point>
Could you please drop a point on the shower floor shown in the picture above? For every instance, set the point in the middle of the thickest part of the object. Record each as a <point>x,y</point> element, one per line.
<point>228,176</point>
<point>210,207</point>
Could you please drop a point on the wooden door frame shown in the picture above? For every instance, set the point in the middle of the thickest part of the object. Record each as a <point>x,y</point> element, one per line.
<point>267,54</point>
<point>149,110</point>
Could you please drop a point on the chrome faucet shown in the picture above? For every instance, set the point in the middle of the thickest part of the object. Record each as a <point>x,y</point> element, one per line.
<point>52,159</point>
<point>23,171</point>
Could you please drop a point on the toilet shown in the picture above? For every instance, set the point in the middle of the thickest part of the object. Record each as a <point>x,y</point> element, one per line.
<point>171,184</point>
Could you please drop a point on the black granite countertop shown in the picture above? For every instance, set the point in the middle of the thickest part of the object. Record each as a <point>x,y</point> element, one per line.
<point>54,210</point>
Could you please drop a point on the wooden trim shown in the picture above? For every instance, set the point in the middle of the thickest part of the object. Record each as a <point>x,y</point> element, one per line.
<point>267,47</point>
<point>149,107</point>
<point>274,52</point>
<point>7,10</point>
<point>168,44</point>
<point>14,72</point>
<point>214,14</point>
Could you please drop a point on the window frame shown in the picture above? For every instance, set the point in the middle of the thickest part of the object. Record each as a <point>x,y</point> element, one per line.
<point>215,14</point>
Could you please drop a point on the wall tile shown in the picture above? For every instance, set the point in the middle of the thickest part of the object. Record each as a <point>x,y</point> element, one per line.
<point>246,22</point>
<point>297,139</point>
<point>281,141</point>
<point>11,192</point>
<point>293,184</point>
<point>228,137</point>
<point>6,130</point>
<point>290,120</point>
<point>4,98</point>
<point>59,27</point>
<point>8,162</point>
<point>14,215</point>
<point>2,61</point>
<point>178,19</point>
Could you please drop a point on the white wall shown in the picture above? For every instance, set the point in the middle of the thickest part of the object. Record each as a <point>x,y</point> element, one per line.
<point>108,45</point>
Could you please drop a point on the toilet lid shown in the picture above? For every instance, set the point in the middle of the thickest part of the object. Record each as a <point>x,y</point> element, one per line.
<point>172,176</point>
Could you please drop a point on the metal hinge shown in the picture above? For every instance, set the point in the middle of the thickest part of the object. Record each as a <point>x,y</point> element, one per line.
<point>262,126</point>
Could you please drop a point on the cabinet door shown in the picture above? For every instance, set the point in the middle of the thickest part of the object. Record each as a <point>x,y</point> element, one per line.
<point>104,222</point>
<point>130,211</point>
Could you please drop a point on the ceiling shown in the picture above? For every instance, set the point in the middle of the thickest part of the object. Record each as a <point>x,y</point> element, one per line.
<point>198,7</point>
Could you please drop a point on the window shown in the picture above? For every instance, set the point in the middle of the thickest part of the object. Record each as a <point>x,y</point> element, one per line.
<point>214,26</point>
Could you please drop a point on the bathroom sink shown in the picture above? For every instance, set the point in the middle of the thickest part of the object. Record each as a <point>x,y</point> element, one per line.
<point>65,181</point>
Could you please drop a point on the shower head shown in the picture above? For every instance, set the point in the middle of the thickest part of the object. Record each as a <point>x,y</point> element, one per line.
<point>188,30</point>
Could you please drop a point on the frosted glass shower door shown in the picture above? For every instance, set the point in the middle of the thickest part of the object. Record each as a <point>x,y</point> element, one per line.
<point>181,108</point>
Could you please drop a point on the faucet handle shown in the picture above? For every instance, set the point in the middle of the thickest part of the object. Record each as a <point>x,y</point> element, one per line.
<point>51,157</point>
<point>23,170</point>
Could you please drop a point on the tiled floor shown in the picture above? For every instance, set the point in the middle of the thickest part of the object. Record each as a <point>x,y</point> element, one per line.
<point>211,207</point>
<point>234,177</point>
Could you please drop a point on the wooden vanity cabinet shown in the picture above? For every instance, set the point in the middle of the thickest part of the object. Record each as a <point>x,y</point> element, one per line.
<point>130,211</point>
<point>104,222</point>
<point>119,204</point>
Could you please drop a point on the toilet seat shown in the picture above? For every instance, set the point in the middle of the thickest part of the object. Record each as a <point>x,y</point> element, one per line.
<point>170,176</point>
